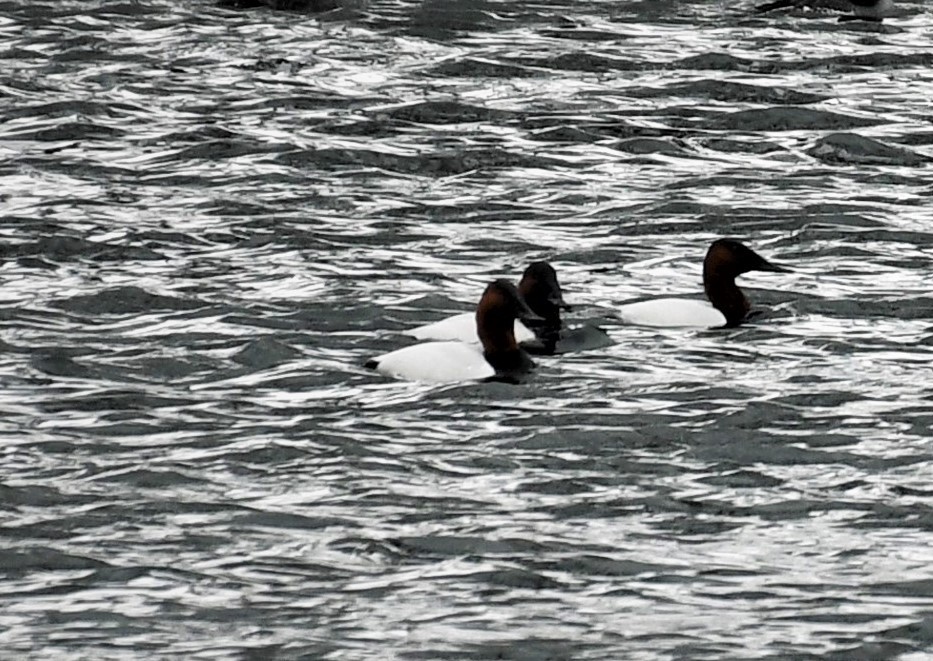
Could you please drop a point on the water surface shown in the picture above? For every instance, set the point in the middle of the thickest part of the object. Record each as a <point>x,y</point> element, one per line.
<point>211,219</point>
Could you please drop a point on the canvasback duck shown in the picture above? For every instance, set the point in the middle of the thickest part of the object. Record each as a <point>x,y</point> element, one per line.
<point>862,10</point>
<point>546,335</point>
<point>725,260</point>
<point>541,292</point>
<point>497,357</point>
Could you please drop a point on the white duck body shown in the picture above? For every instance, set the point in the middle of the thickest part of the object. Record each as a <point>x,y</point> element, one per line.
<point>462,327</point>
<point>497,354</point>
<point>672,313</point>
<point>437,362</point>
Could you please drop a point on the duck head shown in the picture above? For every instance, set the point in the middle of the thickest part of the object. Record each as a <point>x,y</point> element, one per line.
<point>542,293</point>
<point>725,260</point>
<point>499,307</point>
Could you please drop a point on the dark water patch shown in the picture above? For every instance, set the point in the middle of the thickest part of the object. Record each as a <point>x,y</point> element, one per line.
<point>791,118</point>
<point>169,370</point>
<point>287,321</point>
<point>266,519</point>
<point>868,651</point>
<point>85,49</point>
<point>66,248</point>
<point>573,128</point>
<point>596,565</point>
<point>824,399</point>
<point>196,135</point>
<point>589,62</point>
<point>387,550</point>
<point>124,300</point>
<point>73,164</point>
<point>58,362</point>
<point>445,112</point>
<point>854,149</point>
<point>18,562</point>
<point>724,221</point>
<point>313,100</point>
<point>858,63</point>
<point>714,62</point>
<point>741,479</point>
<point>39,496</point>
<point>907,588</point>
<point>67,109</point>
<point>698,529</point>
<point>71,448</point>
<point>129,9</point>
<point>583,61</point>
<point>184,240</point>
<point>145,478</point>
<point>264,353</point>
<point>281,5</point>
<point>901,490</point>
<point>841,214</point>
<point>920,630</point>
<point>858,307</point>
<point>875,61</point>
<point>376,128</point>
<point>570,134</point>
<point>650,146</point>
<point>114,402</point>
<point>881,516</point>
<point>443,19</point>
<point>538,648</point>
<point>462,545</point>
<point>737,439</point>
<point>71,131</point>
<point>743,146</point>
<point>916,138</point>
<point>228,208</point>
<point>224,149</point>
<point>272,454</point>
<point>443,162</point>
<point>580,33</point>
<point>513,577</point>
<point>35,263</point>
<point>719,90</point>
<point>469,211</point>
<point>21,55</point>
<point>468,67</point>
<point>561,486</point>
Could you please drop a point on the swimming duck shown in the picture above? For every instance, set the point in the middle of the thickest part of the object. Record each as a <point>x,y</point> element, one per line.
<point>545,336</point>
<point>725,260</point>
<point>497,357</point>
<point>542,292</point>
<point>862,10</point>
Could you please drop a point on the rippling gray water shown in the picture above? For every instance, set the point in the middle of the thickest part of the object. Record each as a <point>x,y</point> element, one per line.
<point>212,218</point>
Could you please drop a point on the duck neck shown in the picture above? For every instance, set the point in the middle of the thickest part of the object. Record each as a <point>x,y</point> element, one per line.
<point>496,331</point>
<point>538,299</point>
<point>547,331</point>
<point>550,317</point>
<point>725,295</point>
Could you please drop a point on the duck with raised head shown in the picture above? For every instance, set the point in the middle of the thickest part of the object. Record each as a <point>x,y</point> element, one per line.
<point>861,10</point>
<point>497,357</point>
<point>547,335</point>
<point>728,307</point>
